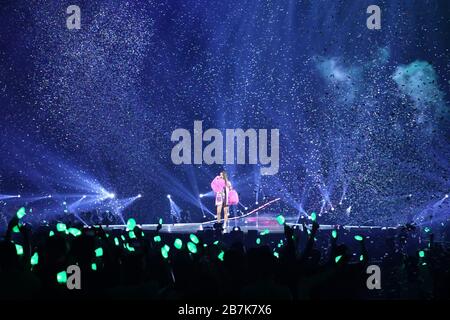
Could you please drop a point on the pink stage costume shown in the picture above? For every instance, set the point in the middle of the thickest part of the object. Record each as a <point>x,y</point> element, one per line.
<point>222,196</point>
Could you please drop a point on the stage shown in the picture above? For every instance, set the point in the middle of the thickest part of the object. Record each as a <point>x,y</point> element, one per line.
<point>243,225</point>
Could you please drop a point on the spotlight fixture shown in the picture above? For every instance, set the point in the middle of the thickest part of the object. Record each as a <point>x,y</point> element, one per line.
<point>246,208</point>
<point>111,195</point>
<point>201,195</point>
<point>446,196</point>
<point>169,197</point>
<point>83,197</point>
<point>18,196</point>
<point>139,195</point>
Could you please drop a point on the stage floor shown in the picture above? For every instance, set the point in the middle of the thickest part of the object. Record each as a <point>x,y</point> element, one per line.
<point>242,225</point>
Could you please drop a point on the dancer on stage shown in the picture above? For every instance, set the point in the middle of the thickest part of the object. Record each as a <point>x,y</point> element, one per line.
<point>222,199</point>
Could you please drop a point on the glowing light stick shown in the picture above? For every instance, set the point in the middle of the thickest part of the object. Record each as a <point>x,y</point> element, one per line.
<point>358,238</point>
<point>157,238</point>
<point>337,258</point>
<point>19,249</point>
<point>178,243</point>
<point>61,277</point>
<point>75,232</point>
<point>192,247</point>
<point>34,259</point>
<point>421,253</point>
<point>280,219</point>
<point>165,251</point>
<point>194,238</point>
<point>131,224</point>
<point>334,234</point>
<point>220,256</point>
<point>94,266</point>
<point>313,216</point>
<point>21,213</point>
<point>99,252</point>
<point>61,227</point>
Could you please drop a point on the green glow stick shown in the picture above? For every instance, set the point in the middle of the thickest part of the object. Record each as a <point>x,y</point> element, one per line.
<point>258,241</point>
<point>358,238</point>
<point>94,266</point>
<point>157,238</point>
<point>116,241</point>
<point>337,258</point>
<point>313,216</point>
<point>178,243</point>
<point>361,257</point>
<point>165,251</point>
<point>21,213</point>
<point>421,253</point>
<point>194,238</point>
<point>51,234</point>
<point>427,229</point>
<point>34,259</point>
<point>75,232</point>
<point>220,256</point>
<point>130,248</point>
<point>192,247</point>
<point>264,232</point>
<point>99,252</point>
<point>16,229</point>
<point>132,235</point>
<point>61,277</point>
<point>216,242</point>
<point>205,245</point>
<point>61,227</point>
<point>122,237</point>
<point>334,234</point>
<point>280,219</point>
<point>160,221</point>
<point>131,224</point>
<point>19,249</point>
<point>276,254</point>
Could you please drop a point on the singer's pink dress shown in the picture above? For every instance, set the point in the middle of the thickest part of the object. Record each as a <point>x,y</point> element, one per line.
<point>222,196</point>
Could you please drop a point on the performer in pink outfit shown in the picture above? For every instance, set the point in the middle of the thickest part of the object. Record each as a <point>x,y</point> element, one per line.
<point>222,199</point>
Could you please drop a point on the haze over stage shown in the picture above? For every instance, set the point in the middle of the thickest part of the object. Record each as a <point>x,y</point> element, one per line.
<point>363,114</point>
